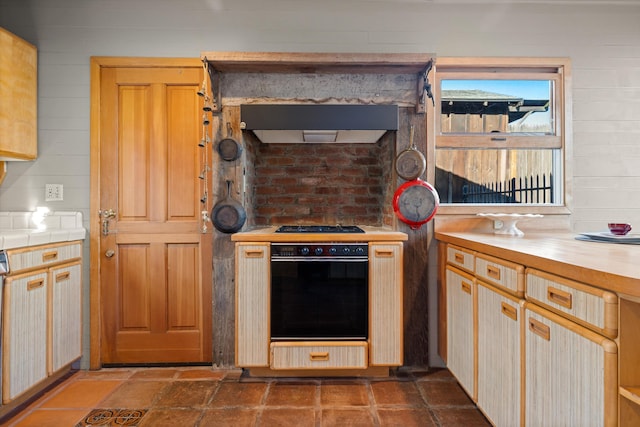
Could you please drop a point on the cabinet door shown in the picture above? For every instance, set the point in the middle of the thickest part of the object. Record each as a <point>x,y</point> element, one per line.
<point>460,328</point>
<point>571,373</point>
<point>499,356</point>
<point>66,315</point>
<point>24,333</point>
<point>385,300</point>
<point>19,94</point>
<point>252,304</point>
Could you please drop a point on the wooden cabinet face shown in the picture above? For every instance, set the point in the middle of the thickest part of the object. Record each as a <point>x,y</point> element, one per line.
<point>499,356</point>
<point>66,315</point>
<point>24,333</point>
<point>385,304</point>
<point>19,94</point>
<point>252,304</point>
<point>571,374</point>
<point>461,288</point>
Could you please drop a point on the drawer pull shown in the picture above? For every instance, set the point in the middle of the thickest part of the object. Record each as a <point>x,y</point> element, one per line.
<point>319,356</point>
<point>49,256</point>
<point>35,284</point>
<point>254,253</point>
<point>459,258</point>
<point>62,276</point>
<point>384,253</point>
<point>539,329</point>
<point>466,287</point>
<point>493,272</point>
<point>559,297</point>
<point>509,311</point>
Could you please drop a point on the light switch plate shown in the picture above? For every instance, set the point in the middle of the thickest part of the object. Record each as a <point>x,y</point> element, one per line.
<point>53,192</point>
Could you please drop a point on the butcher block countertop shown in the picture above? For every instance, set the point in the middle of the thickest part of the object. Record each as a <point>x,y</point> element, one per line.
<point>371,234</point>
<point>610,266</point>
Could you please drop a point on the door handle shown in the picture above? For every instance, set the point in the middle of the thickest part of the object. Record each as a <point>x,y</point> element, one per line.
<point>106,215</point>
<point>109,253</point>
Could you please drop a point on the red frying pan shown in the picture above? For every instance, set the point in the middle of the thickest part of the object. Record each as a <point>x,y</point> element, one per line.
<point>415,203</point>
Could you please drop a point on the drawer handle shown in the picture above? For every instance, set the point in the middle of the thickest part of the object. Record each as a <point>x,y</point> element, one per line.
<point>493,272</point>
<point>459,258</point>
<point>466,287</point>
<point>559,297</point>
<point>50,256</point>
<point>540,329</point>
<point>384,253</point>
<point>319,356</point>
<point>35,284</point>
<point>62,276</point>
<point>509,311</point>
<point>254,253</point>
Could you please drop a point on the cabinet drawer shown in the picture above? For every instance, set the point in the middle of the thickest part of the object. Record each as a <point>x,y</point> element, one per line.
<point>461,258</point>
<point>28,258</point>
<point>503,274</point>
<point>591,307</point>
<point>319,355</point>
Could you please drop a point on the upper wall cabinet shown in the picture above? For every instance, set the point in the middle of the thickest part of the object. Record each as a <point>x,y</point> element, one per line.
<point>18,98</point>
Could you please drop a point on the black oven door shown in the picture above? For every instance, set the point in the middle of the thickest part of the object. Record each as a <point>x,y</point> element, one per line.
<point>320,299</point>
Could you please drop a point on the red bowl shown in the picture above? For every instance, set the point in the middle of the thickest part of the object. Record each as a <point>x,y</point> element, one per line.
<point>619,229</point>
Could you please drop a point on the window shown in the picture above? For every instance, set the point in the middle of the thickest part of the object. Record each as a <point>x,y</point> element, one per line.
<point>501,131</point>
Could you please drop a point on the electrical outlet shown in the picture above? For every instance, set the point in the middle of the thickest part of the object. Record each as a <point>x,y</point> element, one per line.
<point>53,192</point>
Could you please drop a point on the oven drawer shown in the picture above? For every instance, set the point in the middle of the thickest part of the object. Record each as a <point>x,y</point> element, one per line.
<point>319,355</point>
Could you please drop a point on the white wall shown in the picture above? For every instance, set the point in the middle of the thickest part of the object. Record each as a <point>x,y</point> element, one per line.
<point>603,42</point>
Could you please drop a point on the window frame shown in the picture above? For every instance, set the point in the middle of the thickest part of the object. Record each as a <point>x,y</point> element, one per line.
<point>557,70</point>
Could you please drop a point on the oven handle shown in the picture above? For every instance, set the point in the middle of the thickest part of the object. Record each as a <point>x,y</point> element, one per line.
<point>316,259</point>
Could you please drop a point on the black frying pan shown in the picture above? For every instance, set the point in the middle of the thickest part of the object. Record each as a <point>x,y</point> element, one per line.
<point>228,148</point>
<point>228,215</point>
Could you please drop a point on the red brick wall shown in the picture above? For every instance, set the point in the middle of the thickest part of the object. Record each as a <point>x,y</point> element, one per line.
<point>321,183</point>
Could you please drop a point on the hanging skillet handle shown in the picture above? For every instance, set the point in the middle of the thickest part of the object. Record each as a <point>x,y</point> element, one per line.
<point>229,182</point>
<point>411,132</point>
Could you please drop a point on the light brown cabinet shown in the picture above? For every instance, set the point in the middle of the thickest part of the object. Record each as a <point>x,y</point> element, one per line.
<point>570,371</point>
<point>461,324</point>
<point>544,353</point>
<point>24,338</point>
<point>18,98</point>
<point>385,304</point>
<point>252,304</point>
<point>499,355</point>
<point>42,321</point>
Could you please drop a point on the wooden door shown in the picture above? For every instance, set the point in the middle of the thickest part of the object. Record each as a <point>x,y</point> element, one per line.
<point>155,261</point>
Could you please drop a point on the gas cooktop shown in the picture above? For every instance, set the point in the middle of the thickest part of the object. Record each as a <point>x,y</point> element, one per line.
<point>319,229</point>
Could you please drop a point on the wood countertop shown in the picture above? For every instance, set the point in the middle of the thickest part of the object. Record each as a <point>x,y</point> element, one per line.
<point>610,266</point>
<point>371,234</point>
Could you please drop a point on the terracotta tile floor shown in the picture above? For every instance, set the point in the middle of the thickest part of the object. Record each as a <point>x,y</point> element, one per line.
<point>200,396</point>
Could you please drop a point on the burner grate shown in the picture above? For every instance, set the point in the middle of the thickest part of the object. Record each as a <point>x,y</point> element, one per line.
<point>319,229</point>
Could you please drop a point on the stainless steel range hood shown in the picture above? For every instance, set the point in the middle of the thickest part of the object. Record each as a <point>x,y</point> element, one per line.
<point>313,123</point>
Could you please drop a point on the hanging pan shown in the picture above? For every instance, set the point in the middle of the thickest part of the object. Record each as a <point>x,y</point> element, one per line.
<point>415,203</point>
<point>228,215</point>
<point>228,148</point>
<point>410,163</point>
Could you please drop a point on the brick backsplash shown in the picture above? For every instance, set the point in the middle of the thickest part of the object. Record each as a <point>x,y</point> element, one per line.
<point>321,183</point>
